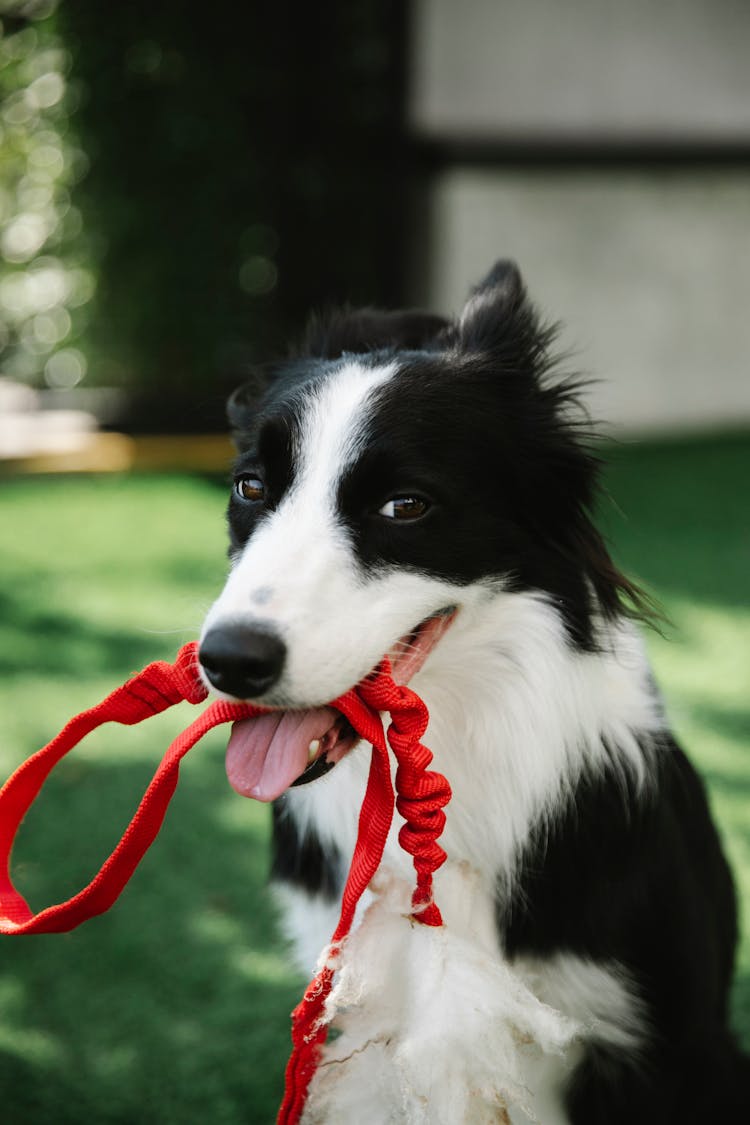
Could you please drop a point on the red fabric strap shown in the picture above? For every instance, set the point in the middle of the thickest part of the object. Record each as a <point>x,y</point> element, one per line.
<point>421,796</point>
<point>157,687</point>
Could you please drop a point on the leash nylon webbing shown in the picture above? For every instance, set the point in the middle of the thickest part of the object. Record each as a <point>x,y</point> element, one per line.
<point>421,795</point>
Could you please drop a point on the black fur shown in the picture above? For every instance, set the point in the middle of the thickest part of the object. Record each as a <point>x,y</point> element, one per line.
<point>640,879</point>
<point>620,874</point>
<point>301,860</point>
<point>512,426</point>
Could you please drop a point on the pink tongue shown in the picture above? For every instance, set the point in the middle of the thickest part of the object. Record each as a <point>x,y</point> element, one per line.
<point>266,754</point>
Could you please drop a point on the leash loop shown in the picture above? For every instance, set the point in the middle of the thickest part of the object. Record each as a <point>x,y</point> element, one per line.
<point>156,688</point>
<point>420,796</point>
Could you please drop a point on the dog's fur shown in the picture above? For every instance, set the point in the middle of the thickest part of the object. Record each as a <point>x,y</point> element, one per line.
<point>578,834</point>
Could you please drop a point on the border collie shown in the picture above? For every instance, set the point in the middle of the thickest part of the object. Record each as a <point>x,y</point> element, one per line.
<point>422,488</point>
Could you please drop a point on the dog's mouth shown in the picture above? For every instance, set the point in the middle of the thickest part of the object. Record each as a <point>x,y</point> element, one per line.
<point>268,754</point>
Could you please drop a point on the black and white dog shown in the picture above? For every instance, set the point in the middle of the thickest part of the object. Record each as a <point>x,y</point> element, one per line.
<point>422,488</point>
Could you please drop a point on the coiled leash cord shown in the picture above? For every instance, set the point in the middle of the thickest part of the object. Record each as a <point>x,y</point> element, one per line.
<point>421,795</point>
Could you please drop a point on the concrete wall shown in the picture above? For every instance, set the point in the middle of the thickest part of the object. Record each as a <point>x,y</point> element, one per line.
<point>650,275</point>
<point>649,269</point>
<point>612,69</point>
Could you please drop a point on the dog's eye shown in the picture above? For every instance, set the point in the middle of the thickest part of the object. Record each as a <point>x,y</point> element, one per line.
<point>250,488</point>
<point>404,508</point>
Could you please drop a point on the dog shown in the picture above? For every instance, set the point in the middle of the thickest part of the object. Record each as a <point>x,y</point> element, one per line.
<point>423,488</point>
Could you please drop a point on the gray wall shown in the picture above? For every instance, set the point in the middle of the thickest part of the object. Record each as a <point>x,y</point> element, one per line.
<point>567,68</point>
<point>649,268</point>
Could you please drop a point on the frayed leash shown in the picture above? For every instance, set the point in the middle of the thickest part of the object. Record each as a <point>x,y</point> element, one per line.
<point>421,795</point>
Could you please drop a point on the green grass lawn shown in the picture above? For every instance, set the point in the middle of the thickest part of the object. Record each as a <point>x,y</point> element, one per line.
<point>173,1008</point>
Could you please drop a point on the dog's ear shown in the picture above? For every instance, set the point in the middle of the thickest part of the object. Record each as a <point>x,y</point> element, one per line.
<point>359,331</point>
<point>494,305</point>
<point>242,406</point>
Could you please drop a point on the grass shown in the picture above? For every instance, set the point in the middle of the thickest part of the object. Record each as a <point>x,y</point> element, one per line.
<point>680,522</point>
<point>173,1008</point>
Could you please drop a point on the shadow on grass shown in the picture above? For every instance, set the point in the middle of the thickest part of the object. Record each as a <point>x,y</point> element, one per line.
<point>731,722</point>
<point>71,647</point>
<point>172,1008</point>
<point>679,516</point>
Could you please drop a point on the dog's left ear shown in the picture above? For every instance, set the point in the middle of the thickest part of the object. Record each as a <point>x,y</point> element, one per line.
<point>494,305</point>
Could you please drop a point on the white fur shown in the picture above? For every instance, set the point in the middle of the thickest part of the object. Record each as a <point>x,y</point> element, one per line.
<point>434,1026</point>
<point>301,557</point>
<point>438,1026</point>
<point>515,717</point>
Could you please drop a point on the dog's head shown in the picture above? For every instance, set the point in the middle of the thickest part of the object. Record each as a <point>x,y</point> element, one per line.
<point>390,476</point>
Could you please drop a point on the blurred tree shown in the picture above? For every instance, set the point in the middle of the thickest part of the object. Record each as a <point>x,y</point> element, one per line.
<point>245,164</point>
<point>44,285</point>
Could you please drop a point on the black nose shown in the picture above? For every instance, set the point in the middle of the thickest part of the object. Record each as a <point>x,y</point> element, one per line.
<point>241,660</point>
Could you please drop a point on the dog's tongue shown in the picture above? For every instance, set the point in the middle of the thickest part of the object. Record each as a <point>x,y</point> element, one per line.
<point>266,754</point>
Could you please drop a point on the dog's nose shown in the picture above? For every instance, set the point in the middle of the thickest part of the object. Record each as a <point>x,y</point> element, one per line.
<point>241,660</point>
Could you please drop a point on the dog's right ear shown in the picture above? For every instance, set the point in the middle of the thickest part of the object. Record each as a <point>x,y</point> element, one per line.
<point>495,304</point>
<point>242,406</point>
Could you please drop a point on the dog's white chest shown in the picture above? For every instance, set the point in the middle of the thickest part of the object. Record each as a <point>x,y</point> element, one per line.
<point>432,1026</point>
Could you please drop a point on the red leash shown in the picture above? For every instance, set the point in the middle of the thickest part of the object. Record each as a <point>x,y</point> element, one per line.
<point>421,796</point>
<point>156,688</point>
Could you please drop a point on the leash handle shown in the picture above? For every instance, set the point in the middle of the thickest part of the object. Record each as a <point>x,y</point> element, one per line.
<point>159,686</point>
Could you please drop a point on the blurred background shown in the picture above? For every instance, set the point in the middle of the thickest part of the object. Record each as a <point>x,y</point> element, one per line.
<point>179,186</point>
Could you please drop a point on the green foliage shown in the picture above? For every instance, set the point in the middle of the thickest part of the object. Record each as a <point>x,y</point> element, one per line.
<point>228,155</point>
<point>178,187</point>
<point>44,284</point>
<point>173,1008</point>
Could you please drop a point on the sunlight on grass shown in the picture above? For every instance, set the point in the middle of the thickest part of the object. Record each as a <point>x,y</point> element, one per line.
<point>705,659</point>
<point>683,527</point>
<point>173,1008</point>
<point>39,1046</point>
<point>262,966</point>
<point>151,1013</point>
<point>704,672</point>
